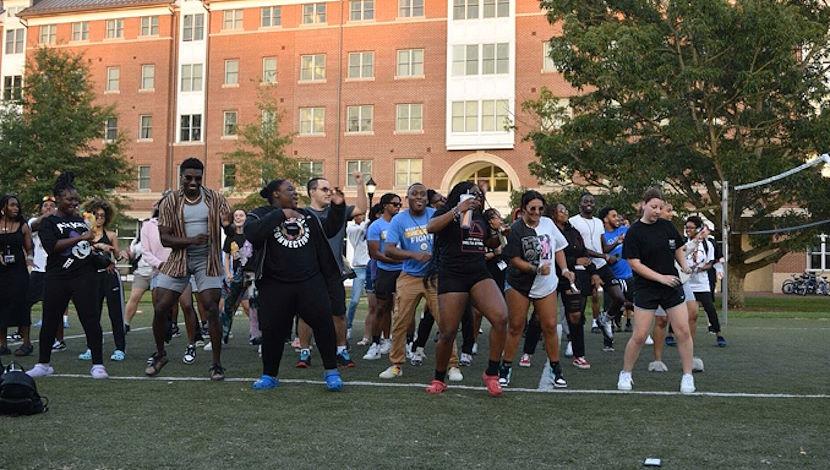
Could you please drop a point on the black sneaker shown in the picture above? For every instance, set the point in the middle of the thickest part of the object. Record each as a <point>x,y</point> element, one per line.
<point>505,373</point>
<point>189,354</point>
<point>217,372</point>
<point>257,340</point>
<point>174,331</point>
<point>59,346</point>
<point>558,380</point>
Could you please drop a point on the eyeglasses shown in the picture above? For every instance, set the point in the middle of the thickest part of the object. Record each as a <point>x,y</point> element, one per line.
<point>536,209</point>
<point>325,190</point>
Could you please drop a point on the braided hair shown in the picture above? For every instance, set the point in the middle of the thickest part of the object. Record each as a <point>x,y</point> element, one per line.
<point>64,182</point>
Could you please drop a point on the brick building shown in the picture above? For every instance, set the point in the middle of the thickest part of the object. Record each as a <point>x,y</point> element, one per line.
<point>402,90</point>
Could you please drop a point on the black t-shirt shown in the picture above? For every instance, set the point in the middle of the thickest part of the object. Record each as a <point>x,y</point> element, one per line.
<point>461,251</point>
<point>292,256</point>
<point>73,261</point>
<point>233,243</point>
<point>654,245</point>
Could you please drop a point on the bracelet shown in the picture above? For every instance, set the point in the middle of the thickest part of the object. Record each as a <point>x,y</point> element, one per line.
<point>456,212</point>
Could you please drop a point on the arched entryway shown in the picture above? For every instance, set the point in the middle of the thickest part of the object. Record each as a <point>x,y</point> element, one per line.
<point>491,172</point>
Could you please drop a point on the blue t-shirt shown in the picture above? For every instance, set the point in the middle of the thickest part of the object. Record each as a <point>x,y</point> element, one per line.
<point>410,233</point>
<point>378,232</point>
<point>621,269</point>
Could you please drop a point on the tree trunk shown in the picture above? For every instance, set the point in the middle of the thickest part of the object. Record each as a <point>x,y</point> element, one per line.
<point>736,288</point>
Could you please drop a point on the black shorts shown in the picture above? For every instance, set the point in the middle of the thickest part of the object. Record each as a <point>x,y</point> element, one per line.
<point>452,282</point>
<point>605,274</point>
<point>651,297</point>
<point>575,302</point>
<point>337,296</point>
<point>385,283</point>
<point>626,286</point>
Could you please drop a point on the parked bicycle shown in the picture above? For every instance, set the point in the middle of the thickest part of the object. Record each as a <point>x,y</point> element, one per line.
<point>806,284</point>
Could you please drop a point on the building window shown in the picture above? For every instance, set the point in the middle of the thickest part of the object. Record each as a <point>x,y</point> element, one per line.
<point>495,115</point>
<point>362,10</point>
<point>229,123</point>
<point>191,77</point>
<point>359,118</point>
<point>410,63</point>
<point>465,9</point>
<point>115,29</point>
<point>14,41</point>
<point>361,64</point>
<point>465,116</point>
<point>313,67</point>
<point>269,70</point>
<point>547,61</point>
<point>409,117</point>
<point>48,34</point>
<point>111,129</point>
<point>491,177</point>
<point>270,16</point>
<point>408,171</point>
<point>113,78</point>
<point>312,121</point>
<point>145,127</point>
<point>231,20</point>
<point>410,8</point>
<point>314,13</point>
<point>312,168</point>
<point>465,59</point>
<point>228,176</point>
<point>191,128</point>
<point>496,8</point>
<point>818,258</point>
<point>194,27</point>
<point>149,25</point>
<point>148,77</point>
<point>144,178</point>
<point>80,31</point>
<point>232,72</point>
<point>13,87</point>
<point>363,166</point>
<point>495,58</point>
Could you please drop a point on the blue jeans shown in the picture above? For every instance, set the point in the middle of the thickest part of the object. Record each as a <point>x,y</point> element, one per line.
<point>357,290</point>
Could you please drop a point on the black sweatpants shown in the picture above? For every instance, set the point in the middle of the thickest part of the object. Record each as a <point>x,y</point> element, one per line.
<point>82,290</point>
<point>278,303</point>
<point>705,299</point>
<point>110,289</point>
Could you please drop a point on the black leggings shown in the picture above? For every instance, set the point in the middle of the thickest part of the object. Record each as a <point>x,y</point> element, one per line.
<point>82,290</point>
<point>532,334</point>
<point>111,290</point>
<point>278,303</point>
<point>705,299</point>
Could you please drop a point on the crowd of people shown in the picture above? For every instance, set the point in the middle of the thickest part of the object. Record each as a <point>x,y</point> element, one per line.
<point>457,256</point>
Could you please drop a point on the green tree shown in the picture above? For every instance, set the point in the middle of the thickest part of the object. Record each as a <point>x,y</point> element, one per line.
<point>687,94</point>
<point>260,154</point>
<point>56,127</point>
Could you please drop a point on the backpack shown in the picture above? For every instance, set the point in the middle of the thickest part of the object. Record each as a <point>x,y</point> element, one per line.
<point>18,393</point>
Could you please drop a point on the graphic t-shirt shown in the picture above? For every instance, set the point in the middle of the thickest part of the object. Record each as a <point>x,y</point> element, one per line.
<point>654,245</point>
<point>291,254</point>
<point>335,242</point>
<point>591,231</point>
<point>461,251</point>
<point>697,255</point>
<point>74,260</point>
<point>233,246</point>
<point>379,232</point>
<point>537,246</point>
<point>621,269</point>
<point>410,233</point>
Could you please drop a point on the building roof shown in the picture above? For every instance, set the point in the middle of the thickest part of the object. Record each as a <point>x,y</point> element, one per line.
<point>44,7</point>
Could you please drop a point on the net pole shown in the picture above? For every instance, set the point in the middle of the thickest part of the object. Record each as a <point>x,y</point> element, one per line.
<point>724,220</point>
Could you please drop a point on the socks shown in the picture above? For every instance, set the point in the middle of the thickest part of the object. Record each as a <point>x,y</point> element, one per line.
<point>492,368</point>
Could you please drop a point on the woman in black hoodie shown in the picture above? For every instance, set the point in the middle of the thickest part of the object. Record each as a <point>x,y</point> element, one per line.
<point>293,262</point>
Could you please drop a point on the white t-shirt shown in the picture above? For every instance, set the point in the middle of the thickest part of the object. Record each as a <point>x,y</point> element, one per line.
<point>697,255</point>
<point>142,269</point>
<point>356,233</point>
<point>591,231</point>
<point>39,263</point>
<point>548,234</point>
<point>538,246</point>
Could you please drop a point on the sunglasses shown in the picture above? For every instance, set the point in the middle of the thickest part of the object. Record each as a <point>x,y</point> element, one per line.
<point>48,198</point>
<point>536,209</point>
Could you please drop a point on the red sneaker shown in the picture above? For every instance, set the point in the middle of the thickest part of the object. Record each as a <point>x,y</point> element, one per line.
<point>492,384</point>
<point>581,363</point>
<point>436,387</point>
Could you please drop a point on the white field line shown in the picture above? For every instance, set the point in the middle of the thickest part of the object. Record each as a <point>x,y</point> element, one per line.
<point>360,383</point>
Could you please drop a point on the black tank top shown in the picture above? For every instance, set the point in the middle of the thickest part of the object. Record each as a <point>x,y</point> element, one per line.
<point>12,244</point>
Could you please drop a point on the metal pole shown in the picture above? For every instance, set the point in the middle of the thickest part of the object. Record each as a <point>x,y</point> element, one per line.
<point>724,221</point>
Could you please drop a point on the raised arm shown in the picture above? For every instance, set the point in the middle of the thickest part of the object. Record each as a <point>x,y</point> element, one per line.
<point>361,206</point>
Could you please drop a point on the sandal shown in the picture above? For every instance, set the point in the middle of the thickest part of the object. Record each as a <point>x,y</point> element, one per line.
<point>155,364</point>
<point>24,350</point>
<point>217,372</point>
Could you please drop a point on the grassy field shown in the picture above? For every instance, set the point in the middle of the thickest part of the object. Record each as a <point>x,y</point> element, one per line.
<point>173,421</point>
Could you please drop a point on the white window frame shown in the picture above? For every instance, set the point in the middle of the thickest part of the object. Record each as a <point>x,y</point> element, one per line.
<point>272,15</point>
<point>191,79</point>
<point>466,10</point>
<point>145,127</point>
<point>466,60</point>
<point>230,123</point>
<point>269,75</point>
<point>110,128</point>
<point>149,26</point>
<point>548,65</point>
<point>400,163</point>
<point>495,115</point>
<point>144,181</point>
<point>231,72</point>
<point>48,34</point>
<point>15,41</point>
<point>12,87</point>
<point>80,31</point>
<point>195,31</point>
<point>824,251</point>
<point>192,130</point>
<point>360,119</point>
<point>363,63</point>
<point>404,120</point>
<point>309,167</point>
<point>314,66</point>
<point>113,83</point>
<point>315,117</point>
<point>499,9</point>
<point>232,20</point>
<point>228,171</point>
<point>410,8</point>
<point>499,60</point>
<point>362,12</point>
<point>363,166</point>
<point>314,13</point>
<point>466,115</point>
<point>409,64</point>
<point>148,74</point>
<point>115,28</point>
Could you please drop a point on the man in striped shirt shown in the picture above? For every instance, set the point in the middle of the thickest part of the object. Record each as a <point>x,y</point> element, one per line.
<point>190,221</point>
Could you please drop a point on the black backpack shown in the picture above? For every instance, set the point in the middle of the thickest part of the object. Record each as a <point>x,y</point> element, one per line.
<point>18,393</point>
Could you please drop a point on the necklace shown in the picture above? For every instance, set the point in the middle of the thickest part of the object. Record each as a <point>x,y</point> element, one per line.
<point>192,201</point>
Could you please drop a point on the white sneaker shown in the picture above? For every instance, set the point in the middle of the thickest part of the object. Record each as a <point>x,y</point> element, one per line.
<point>697,364</point>
<point>208,346</point>
<point>391,372</point>
<point>687,384</point>
<point>466,360</point>
<point>348,333</point>
<point>475,349</point>
<point>418,357</point>
<point>649,340</point>
<point>373,354</point>
<point>569,350</point>
<point>657,366</point>
<point>385,346</point>
<point>40,370</point>
<point>98,371</point>
<point>454,374</point>
<point>625,382</point>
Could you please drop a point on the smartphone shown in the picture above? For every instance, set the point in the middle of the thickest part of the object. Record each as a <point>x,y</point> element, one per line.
<point>652,462</point>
